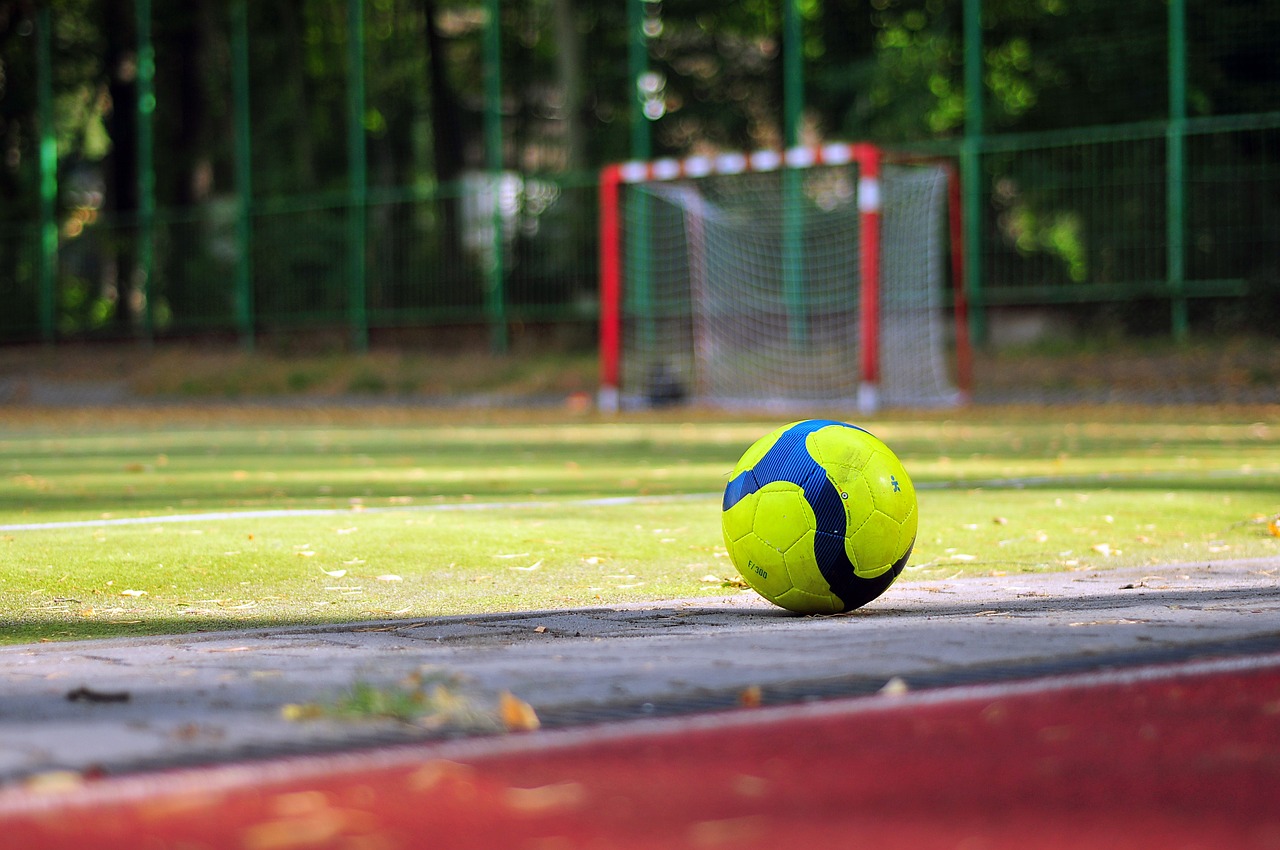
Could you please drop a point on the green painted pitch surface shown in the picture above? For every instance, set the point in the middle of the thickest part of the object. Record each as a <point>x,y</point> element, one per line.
<point>999,492</point>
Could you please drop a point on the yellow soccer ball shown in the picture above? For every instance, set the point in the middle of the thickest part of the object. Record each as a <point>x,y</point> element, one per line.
<point>819,516</point>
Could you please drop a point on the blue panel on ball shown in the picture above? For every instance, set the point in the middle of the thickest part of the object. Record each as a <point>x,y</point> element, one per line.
<point>781,463</point>
<point>789,460</point>
<point>739,488</point>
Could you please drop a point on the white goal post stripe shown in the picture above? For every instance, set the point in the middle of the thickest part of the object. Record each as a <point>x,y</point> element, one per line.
<point>660,170</point>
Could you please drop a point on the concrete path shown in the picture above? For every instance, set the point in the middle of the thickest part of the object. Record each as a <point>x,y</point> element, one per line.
<point>130,704</point>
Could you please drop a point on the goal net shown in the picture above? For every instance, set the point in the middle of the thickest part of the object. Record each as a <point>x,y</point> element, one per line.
<point>758,282</point>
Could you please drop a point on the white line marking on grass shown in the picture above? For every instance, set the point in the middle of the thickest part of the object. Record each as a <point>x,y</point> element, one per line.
<point>357,510</point>
<point>1032,481</point>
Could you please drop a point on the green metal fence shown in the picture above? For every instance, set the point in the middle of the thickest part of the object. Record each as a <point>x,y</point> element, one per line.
<point>1157,202</point>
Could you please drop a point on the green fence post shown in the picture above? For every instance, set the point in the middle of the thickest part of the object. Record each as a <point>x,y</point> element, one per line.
<point>243,173</point>
<point>48,177</point>
<point>971,169</point>
<point>495,283</point>
<point>146,163</point>
<point>357,179</point>
<point>792,211</point>
<point>1175,171</point>
<point>637,276</point>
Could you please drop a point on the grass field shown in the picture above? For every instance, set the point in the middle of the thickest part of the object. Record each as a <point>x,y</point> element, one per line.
<point>145,521</point>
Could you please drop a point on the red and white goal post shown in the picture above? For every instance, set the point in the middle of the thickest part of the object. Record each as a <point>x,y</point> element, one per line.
<point>812,277</point>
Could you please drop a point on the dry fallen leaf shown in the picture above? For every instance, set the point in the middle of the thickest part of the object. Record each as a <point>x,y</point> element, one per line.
<point>133,593</point>
<point>544,798</point>
<point>54,782</point>
<point>517,715</point>
<point>432,775</point>
<point>389,577</point>
<point>1274,526</point>
<point>295,712</point>
<point>895,687</point>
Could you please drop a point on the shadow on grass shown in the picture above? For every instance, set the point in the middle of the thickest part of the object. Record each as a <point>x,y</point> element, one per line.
<point>632,619</point>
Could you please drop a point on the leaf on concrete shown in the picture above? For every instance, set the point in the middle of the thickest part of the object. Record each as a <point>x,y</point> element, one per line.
<point>517,715</point>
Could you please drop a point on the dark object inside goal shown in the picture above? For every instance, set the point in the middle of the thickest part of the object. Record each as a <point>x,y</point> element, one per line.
<point>665,388</point>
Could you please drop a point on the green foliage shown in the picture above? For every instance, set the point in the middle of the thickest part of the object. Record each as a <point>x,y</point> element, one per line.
<point>885,70</point>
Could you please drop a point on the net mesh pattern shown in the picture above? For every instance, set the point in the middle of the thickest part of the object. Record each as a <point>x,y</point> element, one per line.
<point>743,290</point>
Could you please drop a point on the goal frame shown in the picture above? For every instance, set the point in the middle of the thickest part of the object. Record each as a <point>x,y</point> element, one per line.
<point>869,159</point>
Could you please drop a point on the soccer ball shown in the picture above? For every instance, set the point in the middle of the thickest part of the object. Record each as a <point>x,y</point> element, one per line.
<point>819,516</point>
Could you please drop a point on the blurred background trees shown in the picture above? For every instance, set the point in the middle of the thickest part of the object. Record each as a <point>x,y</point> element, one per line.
<point>884,70</point>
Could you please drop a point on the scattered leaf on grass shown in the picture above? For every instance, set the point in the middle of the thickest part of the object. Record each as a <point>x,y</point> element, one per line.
<point>389,577</point>
<point>333,573</point>
<point>530,568</point>
<point>133,593</point>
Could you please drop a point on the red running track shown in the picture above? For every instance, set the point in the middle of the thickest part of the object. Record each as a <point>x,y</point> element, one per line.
<point>1178,756</point>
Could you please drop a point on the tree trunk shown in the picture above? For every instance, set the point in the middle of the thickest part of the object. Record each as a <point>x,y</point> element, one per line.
<point>569,75</point>
<point>121,172</point>
<point>447,143</point>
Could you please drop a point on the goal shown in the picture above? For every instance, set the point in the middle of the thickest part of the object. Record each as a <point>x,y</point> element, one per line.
<point>814,277</point>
